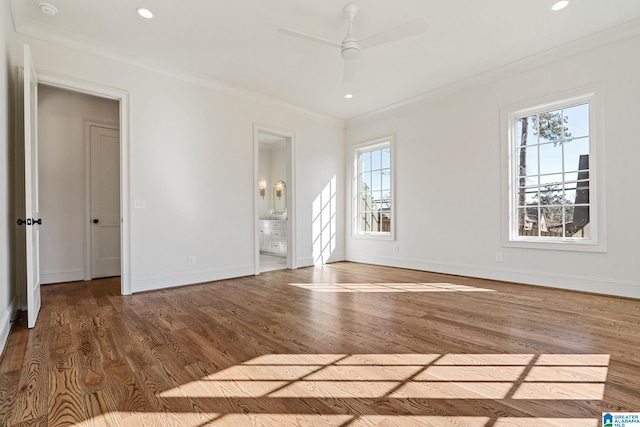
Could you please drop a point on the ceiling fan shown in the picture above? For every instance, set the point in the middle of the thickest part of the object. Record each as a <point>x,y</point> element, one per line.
<point>350,46</point>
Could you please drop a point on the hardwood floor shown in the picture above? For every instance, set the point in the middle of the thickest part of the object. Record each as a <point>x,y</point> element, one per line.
<point>272,262</point>
<point>342,345</point>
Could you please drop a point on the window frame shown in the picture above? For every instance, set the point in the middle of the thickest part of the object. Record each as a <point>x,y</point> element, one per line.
<point>592,95</point>
<point>358,149</point>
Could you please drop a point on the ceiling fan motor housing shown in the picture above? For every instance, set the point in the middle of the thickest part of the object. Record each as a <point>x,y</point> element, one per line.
<point>350,50</point>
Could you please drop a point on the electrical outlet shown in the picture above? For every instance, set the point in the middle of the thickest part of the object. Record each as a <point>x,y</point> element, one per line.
<point>139,204</point>
<point>192,260</point>
<point>396,249</point>
<point>498,256</point>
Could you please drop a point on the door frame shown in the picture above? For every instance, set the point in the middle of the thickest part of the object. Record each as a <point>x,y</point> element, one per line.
<point>88,124</point>
<point>20,237</point>
<point>289,139</point>
<point>89,88</point>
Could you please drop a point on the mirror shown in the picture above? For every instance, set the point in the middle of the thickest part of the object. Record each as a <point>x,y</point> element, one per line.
<point>279,205</point>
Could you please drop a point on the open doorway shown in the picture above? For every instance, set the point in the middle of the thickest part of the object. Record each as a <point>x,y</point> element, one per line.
<point>111,134</point>
<point>79,190</point>
<point>274,202</point>
<point>29,81</point>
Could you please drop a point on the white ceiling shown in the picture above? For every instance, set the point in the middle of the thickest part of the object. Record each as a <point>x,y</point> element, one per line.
<point>235,42</point>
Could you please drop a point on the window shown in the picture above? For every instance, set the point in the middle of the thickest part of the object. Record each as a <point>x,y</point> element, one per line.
<point>373,190</point>
<point>552,186</point>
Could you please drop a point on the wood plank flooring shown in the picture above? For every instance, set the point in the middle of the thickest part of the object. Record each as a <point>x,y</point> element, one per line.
<point>272,262</point>
<point>341,345</point>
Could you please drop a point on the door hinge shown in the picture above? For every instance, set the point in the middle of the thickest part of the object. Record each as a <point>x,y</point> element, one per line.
<point>30,221</point>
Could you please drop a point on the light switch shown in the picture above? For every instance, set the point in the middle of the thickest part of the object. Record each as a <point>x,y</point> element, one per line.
<point>139,204</point>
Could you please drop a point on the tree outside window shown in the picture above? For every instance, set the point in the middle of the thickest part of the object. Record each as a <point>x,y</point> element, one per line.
<point>551,149</point>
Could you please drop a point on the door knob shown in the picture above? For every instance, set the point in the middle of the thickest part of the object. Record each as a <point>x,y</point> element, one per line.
<point>21,221</point>
<point>37,221</point>
<point>95,221</point>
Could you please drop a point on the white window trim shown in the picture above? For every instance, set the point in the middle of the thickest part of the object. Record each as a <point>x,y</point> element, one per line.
<point>594,95</point>
<point>355,211</point>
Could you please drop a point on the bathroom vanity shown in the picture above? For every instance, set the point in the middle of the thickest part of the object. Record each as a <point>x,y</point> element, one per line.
<point>273,236</point>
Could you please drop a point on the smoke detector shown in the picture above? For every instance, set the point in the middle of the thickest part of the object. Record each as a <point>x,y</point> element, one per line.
<point>47,9</point>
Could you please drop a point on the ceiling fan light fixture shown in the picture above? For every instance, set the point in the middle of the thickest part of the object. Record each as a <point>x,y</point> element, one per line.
<point>559,5</point>
<point>348,96</point>
<point>350,53</point>
<point>145,13</point>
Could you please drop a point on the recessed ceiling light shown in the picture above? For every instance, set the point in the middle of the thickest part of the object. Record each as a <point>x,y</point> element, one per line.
<point>348,96</point>
<point>145,13</point>
<point>559,5</point>
<point>47,9</point>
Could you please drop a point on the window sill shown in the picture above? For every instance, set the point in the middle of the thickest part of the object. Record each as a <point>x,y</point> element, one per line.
<point>373,236</point>
<point>558,245</point>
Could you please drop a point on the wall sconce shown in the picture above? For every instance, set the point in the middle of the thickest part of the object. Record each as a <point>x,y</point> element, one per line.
<point>279,186</point>
<point>263,187</point>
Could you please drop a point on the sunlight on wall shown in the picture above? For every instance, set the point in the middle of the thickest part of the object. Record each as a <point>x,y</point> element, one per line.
<point>388,287</point>
<point>323,223</point>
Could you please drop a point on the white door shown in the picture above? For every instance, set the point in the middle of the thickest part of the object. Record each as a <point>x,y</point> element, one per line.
<point>32,209</point>
<point>105,202</point>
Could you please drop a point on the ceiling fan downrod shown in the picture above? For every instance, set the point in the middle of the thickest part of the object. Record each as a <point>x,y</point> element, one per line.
<point>350,49</point>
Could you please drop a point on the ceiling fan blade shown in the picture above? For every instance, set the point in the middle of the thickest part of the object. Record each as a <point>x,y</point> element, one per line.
<point>349,71</point>
<point>409,29</point>
<point>294,33</point>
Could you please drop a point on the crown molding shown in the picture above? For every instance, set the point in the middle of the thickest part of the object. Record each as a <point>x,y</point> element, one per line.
<point>23,25</point>
<point>592,42</point>
<point>48,34</point>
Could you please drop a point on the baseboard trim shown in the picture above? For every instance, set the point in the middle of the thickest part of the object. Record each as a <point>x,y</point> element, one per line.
<point>5,323</point>
<point>563,281</point>
<point>59,276</point>
<point>336,257</point>
<point>152,283</point>
<point>310,262</point>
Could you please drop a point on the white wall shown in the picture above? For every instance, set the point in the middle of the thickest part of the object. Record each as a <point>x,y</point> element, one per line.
<point>191,150</point>
<point>272,167</point>
<point>62,176</point>
<point>8,299</point>
<point>264,172</point>
<point>275,169</point>
<point>278,164</point>
<point>448,180</point>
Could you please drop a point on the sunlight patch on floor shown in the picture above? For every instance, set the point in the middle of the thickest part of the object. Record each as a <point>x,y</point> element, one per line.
<point>546,422</point>
<point>407,376</point>
<point>173,419</point>
<point>445,421</point>
<point>388,287</point>
<point>136,419</point>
